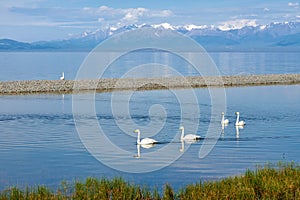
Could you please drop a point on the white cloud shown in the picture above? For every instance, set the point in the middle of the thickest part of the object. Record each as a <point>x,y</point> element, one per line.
<point>92,17</point>
<point>266,9</point>
<point>132,15</point>
<point>121,17</point>
<point>160,13</point>
<point>295,5</point>
<point>237,24</point>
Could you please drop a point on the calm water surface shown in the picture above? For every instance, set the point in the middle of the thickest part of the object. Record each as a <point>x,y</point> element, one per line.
<point>39,143</point>
<point>49,65</point>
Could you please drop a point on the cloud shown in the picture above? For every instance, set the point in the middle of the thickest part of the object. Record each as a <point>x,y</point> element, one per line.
<point>99,16</point>
<point>266,9</point>
<point>124,16</point>
<point>237,24</point>
<point>129,15</point>
<point>132,15</point>
<point>295,5</point>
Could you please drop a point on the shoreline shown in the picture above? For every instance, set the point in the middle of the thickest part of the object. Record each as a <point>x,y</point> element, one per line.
<point>157,83</point>
<point>280,181</point>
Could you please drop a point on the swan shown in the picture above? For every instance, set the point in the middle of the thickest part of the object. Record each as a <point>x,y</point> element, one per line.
<point>188,137</point>
<point>239,123</point>
<point>145,140</point>
<point>224,121</point>
<point>62,76</point>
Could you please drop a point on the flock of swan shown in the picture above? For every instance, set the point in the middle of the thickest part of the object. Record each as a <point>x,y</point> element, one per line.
<point>189,137</point>
<point>237,122</point>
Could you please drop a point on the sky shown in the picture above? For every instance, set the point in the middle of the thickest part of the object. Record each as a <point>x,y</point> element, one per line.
<point>36,20</point>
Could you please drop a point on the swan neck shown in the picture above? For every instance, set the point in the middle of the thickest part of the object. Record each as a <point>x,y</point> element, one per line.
<point>138,138</point>
<point>223,118</point>
<point>182,133</point>
<point>237,118</point>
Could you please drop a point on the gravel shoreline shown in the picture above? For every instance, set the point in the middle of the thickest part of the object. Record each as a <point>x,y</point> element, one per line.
<point>110,84</point>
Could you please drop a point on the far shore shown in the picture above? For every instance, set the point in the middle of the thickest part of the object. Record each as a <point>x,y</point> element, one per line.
<point>156,83</point>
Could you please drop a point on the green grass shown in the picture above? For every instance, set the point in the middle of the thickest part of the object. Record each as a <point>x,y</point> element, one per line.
<point>280,181</point>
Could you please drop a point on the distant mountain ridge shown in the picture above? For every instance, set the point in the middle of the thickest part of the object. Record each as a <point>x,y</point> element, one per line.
<point>274,36</point>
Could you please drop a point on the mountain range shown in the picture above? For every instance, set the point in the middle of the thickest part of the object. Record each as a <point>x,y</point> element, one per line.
<point>275,36</point>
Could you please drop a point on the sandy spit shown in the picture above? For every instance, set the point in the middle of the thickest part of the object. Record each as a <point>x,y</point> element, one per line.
<point>111,84</point>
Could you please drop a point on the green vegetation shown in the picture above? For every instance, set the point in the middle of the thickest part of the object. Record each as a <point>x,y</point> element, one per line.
<point>281,181</point>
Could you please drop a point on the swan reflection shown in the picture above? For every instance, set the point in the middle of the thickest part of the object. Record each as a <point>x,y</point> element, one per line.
<point>145,146</point>
<point>138,147</point>
<point>223,131</point>
<point>181,149</point>
<point>182,146</point>
<point>237,131</point>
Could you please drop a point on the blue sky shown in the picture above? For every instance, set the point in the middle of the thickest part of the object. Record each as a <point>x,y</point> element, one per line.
<point>35,20</point>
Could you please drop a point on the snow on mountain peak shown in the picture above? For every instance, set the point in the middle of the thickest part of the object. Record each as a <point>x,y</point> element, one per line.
<point>244,27</point>
<point>262,27</point>
<point>163,25</point>
<point>192,26</point>
<point>237,24</point>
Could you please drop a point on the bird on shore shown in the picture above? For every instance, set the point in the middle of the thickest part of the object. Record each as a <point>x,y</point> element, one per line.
<point>62,76</point>
<point>224,121</point>
<point>238,122</point>
<point>145,140</point>
<point>188,137</point>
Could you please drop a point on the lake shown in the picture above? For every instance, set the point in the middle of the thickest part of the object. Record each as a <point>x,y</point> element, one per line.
<point>39,142</point>
<point>50,65</point>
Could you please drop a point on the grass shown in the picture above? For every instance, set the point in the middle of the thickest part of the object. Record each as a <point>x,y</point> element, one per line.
<point>280,181</point>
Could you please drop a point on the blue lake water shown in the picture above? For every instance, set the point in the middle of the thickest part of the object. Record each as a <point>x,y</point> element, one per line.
<point>39,142</point>
<point>49,65</point>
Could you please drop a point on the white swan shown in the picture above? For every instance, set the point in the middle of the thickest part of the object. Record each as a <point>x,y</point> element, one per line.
<point>188,137</point>
<point>224,121</point>
<point>145,140</point>
<point>62,76</point>
<point>238,122</point>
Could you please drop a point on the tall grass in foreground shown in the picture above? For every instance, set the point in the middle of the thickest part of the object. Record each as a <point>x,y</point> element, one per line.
<point>281,181</point>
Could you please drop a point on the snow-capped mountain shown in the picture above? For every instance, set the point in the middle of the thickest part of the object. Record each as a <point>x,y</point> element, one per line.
<point>245,35</point>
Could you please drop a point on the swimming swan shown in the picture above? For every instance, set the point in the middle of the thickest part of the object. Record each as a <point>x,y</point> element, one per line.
<point>239,123</point>
<point>145,140</point>
<point>189,136</point>
<point>62,76</point>
<point>224,121</point>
